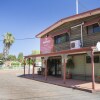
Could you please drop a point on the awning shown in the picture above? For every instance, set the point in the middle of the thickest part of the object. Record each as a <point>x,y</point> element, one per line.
<point>73,51</point>
<point>92,22</point>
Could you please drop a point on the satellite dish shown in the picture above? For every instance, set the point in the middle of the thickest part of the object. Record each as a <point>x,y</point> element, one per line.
<point>98,46</point>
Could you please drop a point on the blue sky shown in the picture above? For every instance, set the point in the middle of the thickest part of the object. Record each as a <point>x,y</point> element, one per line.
<point>26,18</point>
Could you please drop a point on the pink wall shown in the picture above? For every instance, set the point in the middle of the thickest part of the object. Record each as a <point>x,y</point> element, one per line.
<point>46,45</point>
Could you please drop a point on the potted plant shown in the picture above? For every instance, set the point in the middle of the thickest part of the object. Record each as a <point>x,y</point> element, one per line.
<point>69,66</point>
<point>39,71</point>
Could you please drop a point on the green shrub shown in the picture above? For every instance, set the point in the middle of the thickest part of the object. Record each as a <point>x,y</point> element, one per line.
<point>15,64</point>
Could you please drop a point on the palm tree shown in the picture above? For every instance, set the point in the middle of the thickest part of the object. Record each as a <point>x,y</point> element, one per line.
<point>8,41</point>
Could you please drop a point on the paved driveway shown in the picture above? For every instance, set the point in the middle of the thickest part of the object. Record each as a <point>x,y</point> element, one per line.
<point>13,87</point>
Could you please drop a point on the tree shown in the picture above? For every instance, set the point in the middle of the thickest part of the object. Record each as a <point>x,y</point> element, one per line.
<point>31,61</point>
<point>1,56</point>
<point>37,52</point>
<point>20,57</point>
<point>8,41</point>
<point>11,58</point>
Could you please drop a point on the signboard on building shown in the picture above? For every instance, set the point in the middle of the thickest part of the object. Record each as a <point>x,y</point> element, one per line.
<point>46,45</point>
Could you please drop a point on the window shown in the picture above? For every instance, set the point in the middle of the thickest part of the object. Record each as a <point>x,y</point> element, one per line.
<point>96,59</point>
<point>58,40</point>
<point>95,28</point>
<point>88,59</point>
<point>61,38</point>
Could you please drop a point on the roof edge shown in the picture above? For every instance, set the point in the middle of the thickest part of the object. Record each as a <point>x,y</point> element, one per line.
<point>67,19</point>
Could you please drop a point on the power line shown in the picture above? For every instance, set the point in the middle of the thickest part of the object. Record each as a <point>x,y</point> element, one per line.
<point>26,38</point>
<point>23,39</point>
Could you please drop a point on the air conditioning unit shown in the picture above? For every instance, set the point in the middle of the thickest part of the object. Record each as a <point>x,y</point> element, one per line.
<point>75,44</point>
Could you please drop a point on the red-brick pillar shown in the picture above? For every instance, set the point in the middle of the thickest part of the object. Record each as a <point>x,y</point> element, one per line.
<point>64,76</point>
<point>93,74</point>
<point>46,70</point>
<point>33,66</point>
<point>64,61</point>
<point>33,69</point>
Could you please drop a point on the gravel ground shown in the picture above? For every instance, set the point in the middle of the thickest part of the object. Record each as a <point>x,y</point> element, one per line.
<point>13,87</point>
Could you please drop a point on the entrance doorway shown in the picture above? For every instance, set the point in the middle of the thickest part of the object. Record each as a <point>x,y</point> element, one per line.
<point>54,66</point>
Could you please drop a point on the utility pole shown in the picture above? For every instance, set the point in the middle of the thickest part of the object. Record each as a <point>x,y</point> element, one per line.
<point>76,6</point>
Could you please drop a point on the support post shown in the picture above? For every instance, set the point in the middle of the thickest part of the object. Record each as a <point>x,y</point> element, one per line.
<point>33,66</point>
<point>33,70</point>
<point>82,34</point>
<point>46,58</point>
<point>24,65</point>
<point>64,61</point>
<point>29,67</point>
<point>93,75</point>
<point>64,76</point>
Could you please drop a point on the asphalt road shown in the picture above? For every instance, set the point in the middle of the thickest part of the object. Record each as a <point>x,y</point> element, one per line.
<point>13,87</point>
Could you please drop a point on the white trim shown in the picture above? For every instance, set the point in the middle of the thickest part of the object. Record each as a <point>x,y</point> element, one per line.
<point>81,25</point>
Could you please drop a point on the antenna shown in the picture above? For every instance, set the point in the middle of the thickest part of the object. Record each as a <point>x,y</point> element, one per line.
<point>76,6</point>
